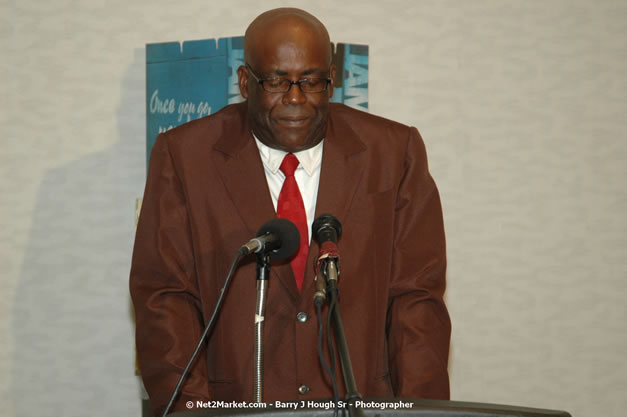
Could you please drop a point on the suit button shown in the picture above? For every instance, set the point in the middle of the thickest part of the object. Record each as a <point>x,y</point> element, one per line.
<point>303,389</point>
<point>302,317</point>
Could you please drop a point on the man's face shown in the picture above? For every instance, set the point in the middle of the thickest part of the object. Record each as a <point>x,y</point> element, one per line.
<point>291,121</point>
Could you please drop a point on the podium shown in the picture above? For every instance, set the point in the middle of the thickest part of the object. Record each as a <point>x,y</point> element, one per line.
<point>407,407</point>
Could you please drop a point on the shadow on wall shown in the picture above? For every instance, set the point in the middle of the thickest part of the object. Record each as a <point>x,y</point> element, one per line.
<point>73,331</point>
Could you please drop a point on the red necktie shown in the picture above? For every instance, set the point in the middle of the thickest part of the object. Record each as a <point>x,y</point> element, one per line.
<point>291,207</point>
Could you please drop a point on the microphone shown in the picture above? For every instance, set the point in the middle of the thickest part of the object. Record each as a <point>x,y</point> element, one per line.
<point>326,229</point>
<point>279,238</point>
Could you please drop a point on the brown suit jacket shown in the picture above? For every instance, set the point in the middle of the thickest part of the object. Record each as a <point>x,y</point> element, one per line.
<point>206,195</point>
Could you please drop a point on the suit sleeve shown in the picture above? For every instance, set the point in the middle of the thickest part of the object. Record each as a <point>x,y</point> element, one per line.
<point>418,327</point>
<point>164,288</point>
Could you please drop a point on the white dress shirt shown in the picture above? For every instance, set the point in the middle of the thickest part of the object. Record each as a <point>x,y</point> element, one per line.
<point>307,175</point>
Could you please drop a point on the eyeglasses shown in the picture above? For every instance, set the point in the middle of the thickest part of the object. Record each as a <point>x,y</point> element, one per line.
<point>283,85</point>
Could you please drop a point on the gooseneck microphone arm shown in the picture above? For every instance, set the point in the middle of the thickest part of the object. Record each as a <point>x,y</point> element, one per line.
<point>352,394</point>
<point>263,273</point>
<point>326,229</point>
<point>277,239</point>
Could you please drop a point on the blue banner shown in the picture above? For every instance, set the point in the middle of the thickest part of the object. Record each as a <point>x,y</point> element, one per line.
<point>193,79</point>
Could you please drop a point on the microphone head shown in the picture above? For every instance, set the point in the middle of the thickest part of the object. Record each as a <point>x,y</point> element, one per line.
<point>326,228</point>
<point>288,235</point>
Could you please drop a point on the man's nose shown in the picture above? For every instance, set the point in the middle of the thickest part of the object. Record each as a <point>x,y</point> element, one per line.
<point>294,95</point>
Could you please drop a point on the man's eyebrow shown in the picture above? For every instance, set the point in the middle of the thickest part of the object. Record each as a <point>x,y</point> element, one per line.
<point>277,72</point>
<point>308,71</point>
<point>315,70</point>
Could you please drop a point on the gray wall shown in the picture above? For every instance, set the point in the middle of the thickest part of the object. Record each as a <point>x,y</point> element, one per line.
<point>522,105</point>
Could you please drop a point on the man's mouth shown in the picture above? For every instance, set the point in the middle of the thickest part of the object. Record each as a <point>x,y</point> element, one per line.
<point>293,121</point>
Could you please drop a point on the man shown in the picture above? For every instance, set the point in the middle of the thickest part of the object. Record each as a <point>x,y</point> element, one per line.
<point>213,182</point>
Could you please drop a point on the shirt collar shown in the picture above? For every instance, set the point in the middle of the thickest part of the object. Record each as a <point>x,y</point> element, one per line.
<point>310,159</point>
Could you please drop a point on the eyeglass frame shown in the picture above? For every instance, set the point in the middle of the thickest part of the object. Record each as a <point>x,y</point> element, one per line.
<point>261,81</point>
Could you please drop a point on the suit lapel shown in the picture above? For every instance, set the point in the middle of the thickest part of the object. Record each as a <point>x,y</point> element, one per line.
<point>237,160</point>
<point>342,168</point>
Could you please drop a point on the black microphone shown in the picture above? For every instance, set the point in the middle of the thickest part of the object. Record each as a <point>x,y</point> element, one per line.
<point>278,237</point>
<point>326,229</point>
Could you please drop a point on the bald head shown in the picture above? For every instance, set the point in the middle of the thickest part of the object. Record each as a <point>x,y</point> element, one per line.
<point>277,25</point>
<point>287,45</point>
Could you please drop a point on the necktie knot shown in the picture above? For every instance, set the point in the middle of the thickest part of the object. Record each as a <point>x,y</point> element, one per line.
<point>289,165</point>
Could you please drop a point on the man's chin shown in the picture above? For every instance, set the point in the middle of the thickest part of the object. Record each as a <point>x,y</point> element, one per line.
<point>295,143</point>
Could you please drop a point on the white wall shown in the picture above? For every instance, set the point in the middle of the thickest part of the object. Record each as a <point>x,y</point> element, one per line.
<point>523,107</point>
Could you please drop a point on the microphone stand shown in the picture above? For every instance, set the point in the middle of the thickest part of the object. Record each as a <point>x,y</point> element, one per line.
<point>352,395</point>
<point>263,273</point>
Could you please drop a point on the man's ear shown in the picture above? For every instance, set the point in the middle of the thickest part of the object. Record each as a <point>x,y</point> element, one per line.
<point>332,77</point>
<point>242,80</point>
